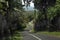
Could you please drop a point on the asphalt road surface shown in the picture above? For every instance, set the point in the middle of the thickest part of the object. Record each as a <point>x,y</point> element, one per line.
<point>33,36</point>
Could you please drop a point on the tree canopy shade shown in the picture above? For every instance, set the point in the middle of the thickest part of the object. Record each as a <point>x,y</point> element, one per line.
<point>41,4</point>
<point>11,16</point>
<point>44,6</point>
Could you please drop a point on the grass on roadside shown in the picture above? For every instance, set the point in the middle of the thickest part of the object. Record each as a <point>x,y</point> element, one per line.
<point>50,33</point>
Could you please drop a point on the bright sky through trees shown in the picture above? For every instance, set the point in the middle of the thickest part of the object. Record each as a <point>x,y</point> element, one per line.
<point>31,7</point>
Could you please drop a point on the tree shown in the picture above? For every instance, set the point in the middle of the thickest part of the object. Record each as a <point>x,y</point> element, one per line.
<point>42,6</point>
<point>11,11</point>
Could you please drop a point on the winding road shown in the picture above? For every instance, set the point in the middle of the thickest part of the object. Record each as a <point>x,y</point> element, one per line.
<point>33,36</point>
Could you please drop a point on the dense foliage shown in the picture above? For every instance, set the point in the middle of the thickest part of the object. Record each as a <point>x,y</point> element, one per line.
<point>49,15</point>
<point>11,17</point>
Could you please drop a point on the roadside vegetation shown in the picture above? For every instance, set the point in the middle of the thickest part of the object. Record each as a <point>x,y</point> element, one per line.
<point>16,36</point>
<point>56,34</point>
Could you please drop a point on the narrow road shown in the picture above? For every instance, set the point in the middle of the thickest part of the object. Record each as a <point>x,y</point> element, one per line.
<point>28,36</point>
<point>33,36</point>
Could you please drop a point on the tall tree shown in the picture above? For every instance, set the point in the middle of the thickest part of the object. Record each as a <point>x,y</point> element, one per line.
<point>9,10</point>
<point>42,6</point>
